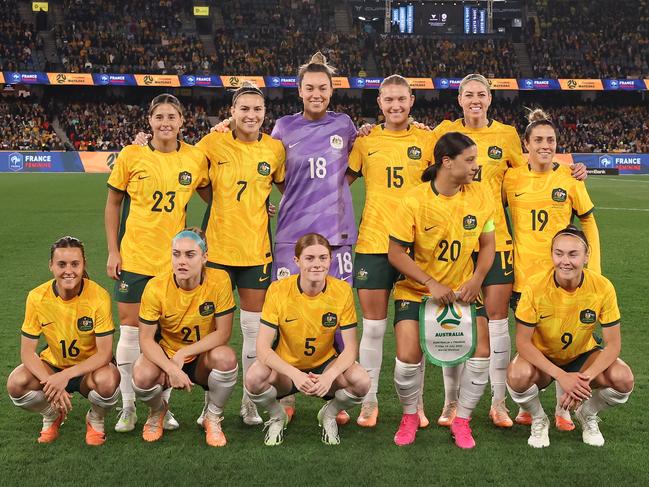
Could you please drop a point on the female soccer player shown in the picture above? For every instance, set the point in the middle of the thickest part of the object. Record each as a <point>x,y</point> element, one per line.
<point>152,186</point>
<point>192,309</point>
<point>556,317</point>
<point>244,165</point>
<point>74,315</point>
<point>392,159</point>
<point>499,148</point>
<point>306,310</point>
<point>442,220</point>
<point>543,198</point>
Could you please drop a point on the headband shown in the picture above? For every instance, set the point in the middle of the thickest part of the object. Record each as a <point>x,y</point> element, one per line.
<point>192,236</point>
<point>571,234</point>
<point>245,91</point>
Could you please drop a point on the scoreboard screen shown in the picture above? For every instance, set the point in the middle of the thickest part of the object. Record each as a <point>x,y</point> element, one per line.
<point>439,18</point>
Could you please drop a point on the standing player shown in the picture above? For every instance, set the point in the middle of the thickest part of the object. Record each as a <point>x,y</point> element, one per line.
<point>306,310</point>
<point>442,221</point>
<point>74,315</point>
<point>185,324</point>
<point>499,148</point>
<point>556,317</point>
<point>392,159</point>
<point>152,186</point>
<point>244,164</point>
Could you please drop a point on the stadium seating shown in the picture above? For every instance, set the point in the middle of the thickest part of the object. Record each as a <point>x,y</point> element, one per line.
<point>26,126</point>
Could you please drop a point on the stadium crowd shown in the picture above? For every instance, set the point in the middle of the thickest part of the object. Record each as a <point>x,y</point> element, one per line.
<point>18,40</point>
<point>26,126</point>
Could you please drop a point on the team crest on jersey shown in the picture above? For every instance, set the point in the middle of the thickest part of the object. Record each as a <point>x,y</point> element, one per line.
<point>283,273</point>
<point>122,287</point>
<point>85,323</point>
<point>263,168</point>
<point>206,309</point>
<point>495,152</point>
<point>185,178</point>
<point>336,141</point>
<point>587,316</point>
<point>414,152</point>
<point>361,275</point>
<point>470,222</point>
<point>329,320</point>
<point>559,195</point>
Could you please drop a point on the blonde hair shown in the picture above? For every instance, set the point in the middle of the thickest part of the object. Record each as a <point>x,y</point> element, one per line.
<point>536,117</point>
<point>474,77</point>
<point>317,64</point>
<point>395,79</point>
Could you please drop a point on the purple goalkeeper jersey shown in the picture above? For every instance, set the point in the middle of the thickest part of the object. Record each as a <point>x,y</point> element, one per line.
<point>316,196</point>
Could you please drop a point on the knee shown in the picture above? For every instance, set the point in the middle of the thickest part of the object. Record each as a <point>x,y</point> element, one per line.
<point>256,378</point>
<point>622,379</point>
<point>519,376</point>
<point>373,329</point>
<point>18,381</point>
<point>361,382</point>
<point>144,375</point>
<point>222,358</point>
<point>106,380</point>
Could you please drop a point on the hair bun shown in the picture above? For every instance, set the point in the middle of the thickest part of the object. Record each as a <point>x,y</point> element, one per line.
<point>318,58</point>
<point>536,115</point>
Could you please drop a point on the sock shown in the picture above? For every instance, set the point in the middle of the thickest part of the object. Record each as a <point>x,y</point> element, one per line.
<point>451,377</point>
<point>528,401</point>
<point>342,400</point>
<point>370,353</point>
<point>602,399</point>
<point>420,399</point>
<point>250,323</point>
<point>267,401</point>
<point>501,345</point>
<point>472,385</point>
<point>220,385</point>
<point>166,394</point>
<point>407,380</point>
<point>36,402</point>
<point>127,352</point>
<point>99,406</point>
<point>151,397</point>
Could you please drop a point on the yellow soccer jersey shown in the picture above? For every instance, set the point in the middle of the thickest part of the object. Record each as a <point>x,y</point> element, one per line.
<point>70,327</point>
<point>157,187</point>
<point>184,317</point>
<point>564,321</point>
<point>392,163</point>
<point>444,230</point>
<point>499,147</point>
<point>307,324</point>
<point>540,205</point>
<point>242,174</point>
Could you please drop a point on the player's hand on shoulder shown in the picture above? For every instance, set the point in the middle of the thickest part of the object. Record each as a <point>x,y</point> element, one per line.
<point>579,171</point>
<point>222,127</point>
<point>420,125</point>
<point>365,129</point>
<point>272,210</point>
<point>141,138</point>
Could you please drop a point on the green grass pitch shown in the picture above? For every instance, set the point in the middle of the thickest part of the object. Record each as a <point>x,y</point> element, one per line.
<point>38,208</point>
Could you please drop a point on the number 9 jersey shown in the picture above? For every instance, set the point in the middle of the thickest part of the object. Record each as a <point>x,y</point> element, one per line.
<point>157,187</point>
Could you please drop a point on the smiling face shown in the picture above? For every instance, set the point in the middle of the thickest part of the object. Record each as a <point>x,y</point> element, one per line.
<point>395,101</point>
<point>475,99</point>
<point>248,112</point>
<point>187,259</point>
<point>569,256</point>
<point>67,266</point>
<point>542,144</point>
<point>314,263</point>
<point>165,122</point>
<point>464,166</point>
<point>315,91</point>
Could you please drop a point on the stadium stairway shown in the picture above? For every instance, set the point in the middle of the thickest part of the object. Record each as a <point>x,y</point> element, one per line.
<point>342,15</point>
<point>25,12</point>
<point>60,131</point>
<point>49,48</point>
<point>523,60</point>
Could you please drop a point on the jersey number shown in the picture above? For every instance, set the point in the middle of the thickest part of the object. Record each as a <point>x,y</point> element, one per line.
<point>566,339</point>
<point>244,185</point>
<point>159,198</point>
<point>449,251</point>
<point>539,220</point>
<point>69,350</point>
<point>308,348</point>
<point>478,175</point>
<point>317,167</point>
<point>187,332</point>
<point>395,180</point>
<point>345,265</point>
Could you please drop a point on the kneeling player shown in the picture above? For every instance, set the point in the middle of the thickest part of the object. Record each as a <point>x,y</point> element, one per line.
<point>555,318</point>
<point>191,308</point>
<point>74,315</point>
<point>307,309</point>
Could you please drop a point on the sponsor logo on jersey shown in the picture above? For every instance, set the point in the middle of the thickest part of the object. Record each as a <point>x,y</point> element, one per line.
<point>495,152</point>
<point>559,195</point>
<point>283,273</point>
<point>185,178</point>
<point>587,316</point>
<point>85,323</point>
<point>361,275</point>
<point>336,141</point>
<point>207,308</point>
<point>448,316</point>
<point>263,168</point>
<point>414,152</point>
<point>123,287</point>
<point>329,320</point>
<point>470,222</point>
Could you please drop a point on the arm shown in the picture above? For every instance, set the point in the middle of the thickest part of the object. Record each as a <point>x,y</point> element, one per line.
<point>589,226</point>
<point>153,352</point>
<point>611,352</point>
<point>405,265</point>
<point>30,358</point>
<point>111,222</point>
<point>217,338</point>
<point>350,176</point>
<point>344,361</point>
<point>579,171</point>
<point>469,291</point>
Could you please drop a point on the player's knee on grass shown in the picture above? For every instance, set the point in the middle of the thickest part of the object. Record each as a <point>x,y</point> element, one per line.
<point>221,358</point>
<point>256,379</point>
<point>519,375</point>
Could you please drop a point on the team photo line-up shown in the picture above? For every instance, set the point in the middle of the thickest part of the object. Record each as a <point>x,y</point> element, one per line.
<point>433,231</point>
